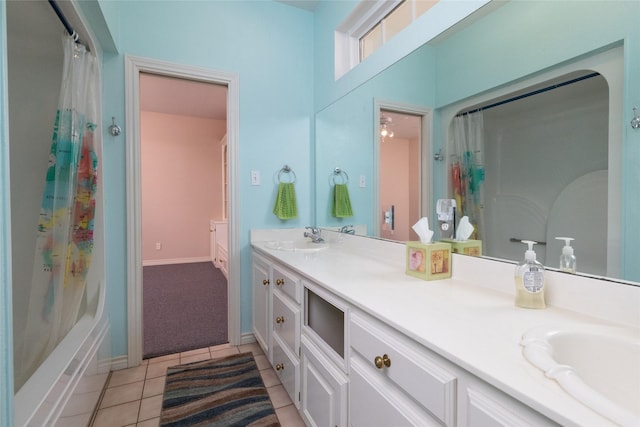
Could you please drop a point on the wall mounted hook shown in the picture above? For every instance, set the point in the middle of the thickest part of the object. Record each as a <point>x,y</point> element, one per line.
<point>438,157</point>
<point>114,129</point>
<point>635,122</point>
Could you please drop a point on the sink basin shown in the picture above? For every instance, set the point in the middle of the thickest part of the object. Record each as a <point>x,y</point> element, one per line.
<point>303,245</point>
<point>597,365</point>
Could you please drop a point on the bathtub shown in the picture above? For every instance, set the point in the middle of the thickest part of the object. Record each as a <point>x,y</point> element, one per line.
<point>64,390</point>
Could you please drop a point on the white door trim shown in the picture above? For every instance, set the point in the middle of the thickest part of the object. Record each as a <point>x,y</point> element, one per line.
<point>426,155</point>
<point>133,67</point>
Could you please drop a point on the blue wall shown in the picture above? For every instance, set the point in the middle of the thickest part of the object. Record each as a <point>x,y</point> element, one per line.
<point>269,45</point>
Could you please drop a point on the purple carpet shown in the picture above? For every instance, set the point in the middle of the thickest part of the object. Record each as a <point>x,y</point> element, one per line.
<point>184,308</point>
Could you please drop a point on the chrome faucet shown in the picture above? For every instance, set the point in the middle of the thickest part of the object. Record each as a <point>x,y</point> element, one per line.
<point>347,229</point>
<point>314,235</point>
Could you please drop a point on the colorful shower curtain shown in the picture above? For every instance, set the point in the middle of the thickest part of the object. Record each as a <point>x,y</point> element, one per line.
<point>64,240</point>
<point>466,168</point>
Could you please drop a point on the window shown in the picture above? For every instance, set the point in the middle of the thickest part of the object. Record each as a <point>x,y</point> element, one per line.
<point>370,25</point>
<point>391,24</point>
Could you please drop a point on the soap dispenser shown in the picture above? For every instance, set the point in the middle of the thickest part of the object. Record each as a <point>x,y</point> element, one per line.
<point>529,279</point>
<point>567,259</point>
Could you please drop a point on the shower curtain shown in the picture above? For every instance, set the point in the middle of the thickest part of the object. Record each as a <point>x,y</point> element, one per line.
<point>64,239</point>
<point>466,168</point>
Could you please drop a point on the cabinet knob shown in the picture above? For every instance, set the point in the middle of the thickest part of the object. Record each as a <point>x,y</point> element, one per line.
<point>279,282</point>
<point>383,361</point>
<point>280,319</point>
<point>279,367</point>
<point>265,282</point>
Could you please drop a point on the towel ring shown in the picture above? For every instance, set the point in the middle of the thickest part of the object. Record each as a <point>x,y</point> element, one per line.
<point>286,170</point>
<point>337,172</point>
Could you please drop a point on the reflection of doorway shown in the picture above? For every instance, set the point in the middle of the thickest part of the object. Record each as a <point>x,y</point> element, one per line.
<point>134,66</point>
<point>401,147</point>
<point>183,126</point>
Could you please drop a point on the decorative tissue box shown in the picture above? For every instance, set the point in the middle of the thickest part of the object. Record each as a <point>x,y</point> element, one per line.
<point>467,247</point>
<point>431,261</point>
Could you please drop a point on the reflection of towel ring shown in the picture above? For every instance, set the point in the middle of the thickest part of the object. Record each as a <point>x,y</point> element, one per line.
<point>286,169</point>
<point>337,172</point>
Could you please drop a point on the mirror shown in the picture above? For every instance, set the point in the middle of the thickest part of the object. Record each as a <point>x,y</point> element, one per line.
<point>346,132</point>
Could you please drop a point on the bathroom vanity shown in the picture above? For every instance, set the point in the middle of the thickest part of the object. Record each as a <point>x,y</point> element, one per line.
<point>357,342</point>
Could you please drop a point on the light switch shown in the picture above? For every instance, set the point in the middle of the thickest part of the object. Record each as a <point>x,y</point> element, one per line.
<point>255,177</point>
<point>363,181</point>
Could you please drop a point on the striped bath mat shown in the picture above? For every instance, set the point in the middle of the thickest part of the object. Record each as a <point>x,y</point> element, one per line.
<point>220,392</point>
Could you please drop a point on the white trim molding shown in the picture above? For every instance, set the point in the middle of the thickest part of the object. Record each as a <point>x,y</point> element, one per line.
<point>133,67</point>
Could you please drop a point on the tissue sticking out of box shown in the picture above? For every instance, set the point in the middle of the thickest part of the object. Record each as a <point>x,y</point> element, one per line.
<point>422,230</point>
<point>464,230</point>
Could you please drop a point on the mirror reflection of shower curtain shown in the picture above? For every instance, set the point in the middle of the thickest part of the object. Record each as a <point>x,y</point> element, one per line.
<point>466,168</point>
<point>64,238</point>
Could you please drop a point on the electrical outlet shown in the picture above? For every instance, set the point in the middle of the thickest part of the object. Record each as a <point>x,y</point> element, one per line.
<point>158,246</point>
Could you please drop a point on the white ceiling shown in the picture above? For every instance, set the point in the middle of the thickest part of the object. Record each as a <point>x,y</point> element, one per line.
<point>405,126</point>
<point>170,95</point>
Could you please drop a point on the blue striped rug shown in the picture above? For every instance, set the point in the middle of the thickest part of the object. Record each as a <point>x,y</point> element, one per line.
<point>220,392</point>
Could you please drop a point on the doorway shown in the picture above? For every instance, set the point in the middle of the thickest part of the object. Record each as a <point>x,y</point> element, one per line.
<point>403,186</point>
<point>135,68</point>
<point>183,178</point>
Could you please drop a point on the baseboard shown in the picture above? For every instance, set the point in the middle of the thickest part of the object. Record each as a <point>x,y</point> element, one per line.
<point>117,363</point>
<point>175,261</point>
<point>247,338</point>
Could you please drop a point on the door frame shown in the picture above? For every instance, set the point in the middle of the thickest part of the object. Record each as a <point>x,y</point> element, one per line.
<point>133,67</point>
<point>425,189</point>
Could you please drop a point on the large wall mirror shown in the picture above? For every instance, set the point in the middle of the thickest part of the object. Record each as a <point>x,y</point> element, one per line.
<point>551,155</point>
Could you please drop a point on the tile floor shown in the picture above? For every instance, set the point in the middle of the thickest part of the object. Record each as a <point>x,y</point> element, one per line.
<point>134,396</point>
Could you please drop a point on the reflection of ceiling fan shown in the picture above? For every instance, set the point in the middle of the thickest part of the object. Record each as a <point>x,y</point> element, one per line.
<point>385,127</point>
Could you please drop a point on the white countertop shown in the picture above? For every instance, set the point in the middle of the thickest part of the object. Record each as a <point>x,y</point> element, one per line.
<point>469,319</point>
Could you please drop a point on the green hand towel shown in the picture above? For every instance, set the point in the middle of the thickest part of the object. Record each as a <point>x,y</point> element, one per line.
<point>285,207</point>
<point>341,201</point>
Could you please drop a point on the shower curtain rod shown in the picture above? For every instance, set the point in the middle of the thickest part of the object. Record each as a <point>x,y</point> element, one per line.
<point>64,21</point>
<point>526,95</point>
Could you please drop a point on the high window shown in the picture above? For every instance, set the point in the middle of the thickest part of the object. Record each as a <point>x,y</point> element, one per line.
<point>390,24</point>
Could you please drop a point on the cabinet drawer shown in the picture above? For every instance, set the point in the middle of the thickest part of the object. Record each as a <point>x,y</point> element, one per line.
<point>286,322</point>
<point>287,368</point>
<point>287,282</point>
<point>410,366</point>
<point>372,403</point>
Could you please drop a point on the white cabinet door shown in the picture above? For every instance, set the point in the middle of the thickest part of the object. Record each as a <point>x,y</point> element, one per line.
<point>261,303</point>
<point>323,400</point>
<point>481,405</point>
